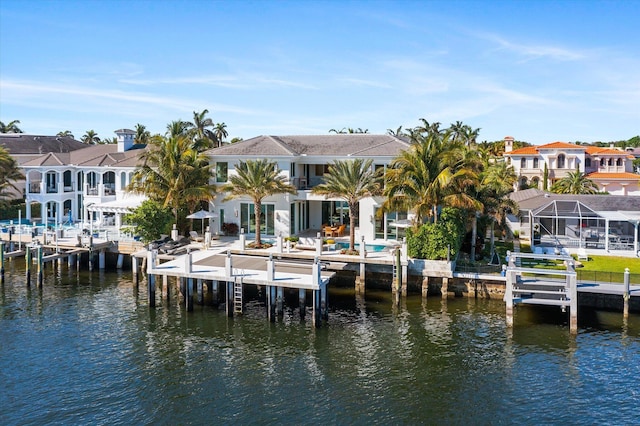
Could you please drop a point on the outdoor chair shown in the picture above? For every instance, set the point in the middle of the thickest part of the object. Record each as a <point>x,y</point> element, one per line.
<point>195,237</point>
<point>328,231</point>
<point>340,231</point>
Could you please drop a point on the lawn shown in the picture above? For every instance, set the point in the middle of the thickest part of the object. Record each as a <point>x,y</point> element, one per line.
<point>611,264</point>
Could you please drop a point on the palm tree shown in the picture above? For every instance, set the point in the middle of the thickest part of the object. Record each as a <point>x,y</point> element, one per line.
<point>351,180</point>
<point>257,179</point>
<point>174,174</point>
<point>398,132</point>
<point>346,130</point>
<point>178,128</point>
<point>203,136</point>
<point>575,183</point>
<point>498,180</point>
<point>417,178</point>
<point>109,141</point>
<point>142,134</point>
<point>9,174</point>
<point>220,130</point>
<point>65,134</point>
<point>90,138</point>
<point>11,127</point>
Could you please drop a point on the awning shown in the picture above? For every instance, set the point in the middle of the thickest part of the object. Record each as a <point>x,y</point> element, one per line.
<point>123,205</point>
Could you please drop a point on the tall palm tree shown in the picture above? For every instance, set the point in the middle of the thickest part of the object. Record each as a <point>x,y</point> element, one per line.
<point>65,134</point>
<point>9,174</point>
<point>90,138</point>
<point>575,183</point>
<point>178,128</point>
<point>174,174</point>
<point>417,178</point>
<point>346,130</point>
<point>398,132</point>
<point>142,134</point>
<point>351,180</point>
<point>11,127</point>
<point>220,130</point>
<point>203,136</point>
<point>257,179</point>
<point>498,180</point>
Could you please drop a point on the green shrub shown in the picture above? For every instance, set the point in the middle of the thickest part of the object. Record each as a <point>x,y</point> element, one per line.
<point>436,241</point>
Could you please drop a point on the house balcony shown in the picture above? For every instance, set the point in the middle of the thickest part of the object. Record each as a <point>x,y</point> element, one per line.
<point>35,187</point>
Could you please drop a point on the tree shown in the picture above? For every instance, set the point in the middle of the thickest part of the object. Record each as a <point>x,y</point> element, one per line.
<point>346,130</point>
<point>220,130</point>
<point>150,220</point>
<point>174,174</point>
<point>416,180</point>
<point>575,182</point>
<point>397,133</point>
<point>178,128</point>
<point>545,177</point>
<point>65,134</point>
<point>203,136</point>
<point>9,174</point>
<point>90,138</point>
<point>109,141</point>
<point>11,127</point>
<point>351,180</point>
<point>142,135</point>
<point>257,179</point>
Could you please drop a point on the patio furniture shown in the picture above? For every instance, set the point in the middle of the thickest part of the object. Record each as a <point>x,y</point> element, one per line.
<point>328,231</point>
<point>582,254</point>
<point>340,231</point>
<point>195,237</point>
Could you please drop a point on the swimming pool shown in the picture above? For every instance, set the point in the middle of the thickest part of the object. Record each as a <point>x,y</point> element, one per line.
<point>368,247</point>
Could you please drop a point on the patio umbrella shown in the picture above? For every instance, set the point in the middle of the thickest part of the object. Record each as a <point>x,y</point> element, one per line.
<point>202,214</point>
<point>402,223</point>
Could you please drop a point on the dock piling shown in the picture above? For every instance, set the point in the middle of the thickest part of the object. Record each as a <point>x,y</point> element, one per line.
<point>2,262</point>
<point>626,295</point>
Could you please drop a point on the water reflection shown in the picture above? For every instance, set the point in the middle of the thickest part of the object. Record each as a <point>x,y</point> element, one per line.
<point>90,350</point>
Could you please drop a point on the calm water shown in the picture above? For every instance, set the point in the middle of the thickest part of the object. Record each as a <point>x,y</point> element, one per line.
<point>88,350</point>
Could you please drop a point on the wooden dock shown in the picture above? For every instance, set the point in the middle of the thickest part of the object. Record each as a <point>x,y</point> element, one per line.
<point>214,267</point>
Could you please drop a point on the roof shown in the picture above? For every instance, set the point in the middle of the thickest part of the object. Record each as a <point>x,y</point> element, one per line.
<point>615,176</point>
<point>340,145</point>
<point>591,150</point>
<point>23,144</point>
<point>532,199</point>
<point>91,155</point>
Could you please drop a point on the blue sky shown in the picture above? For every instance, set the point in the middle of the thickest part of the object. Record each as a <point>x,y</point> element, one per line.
<point>540,71</point>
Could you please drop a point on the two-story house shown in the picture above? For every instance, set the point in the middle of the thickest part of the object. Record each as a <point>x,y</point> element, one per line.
<point>304,161</point>
<point>85,185</point>
<point>24,147</point>
<point>611,169</point>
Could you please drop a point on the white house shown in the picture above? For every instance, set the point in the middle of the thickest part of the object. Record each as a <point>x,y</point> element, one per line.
<point>304,160</point>
<point>84,185</point>
<point>611,169</point>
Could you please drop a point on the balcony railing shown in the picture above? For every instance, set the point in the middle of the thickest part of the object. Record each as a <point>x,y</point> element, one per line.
<point>34,187</point>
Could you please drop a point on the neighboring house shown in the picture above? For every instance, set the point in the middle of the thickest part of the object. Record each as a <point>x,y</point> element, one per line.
<point>597,222</point>
<point>85,185</point>
<point>304,160</point>
<point>24,148</point>
<point>611,169</point>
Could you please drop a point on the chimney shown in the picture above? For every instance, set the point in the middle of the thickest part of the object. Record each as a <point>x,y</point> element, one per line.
<point>125,139</point>
<point>508,144</point>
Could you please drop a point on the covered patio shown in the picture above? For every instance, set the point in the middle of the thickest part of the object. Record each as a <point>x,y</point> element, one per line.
<point>572,224</point>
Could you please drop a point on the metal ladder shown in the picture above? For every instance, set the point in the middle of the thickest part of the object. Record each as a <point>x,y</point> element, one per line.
<point>237,296</point>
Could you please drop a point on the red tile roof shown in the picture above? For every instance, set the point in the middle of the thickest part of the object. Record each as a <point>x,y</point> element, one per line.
<point>527,150</point>
<point>617,176</point>
<point>562,145</point>
<point>593,150</point>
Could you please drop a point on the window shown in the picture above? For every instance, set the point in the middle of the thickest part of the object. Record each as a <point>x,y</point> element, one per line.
<point>222,170</point>
<point>587,162</point>
<point>523,163</point>
<point>293,170</point>
<point>536,163</point>
<point>561,161</point>
<point>602,162</point>
<point>321,169</point>
<point>248,218</point>
<point>619,162</point>
<point>610,162</point>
